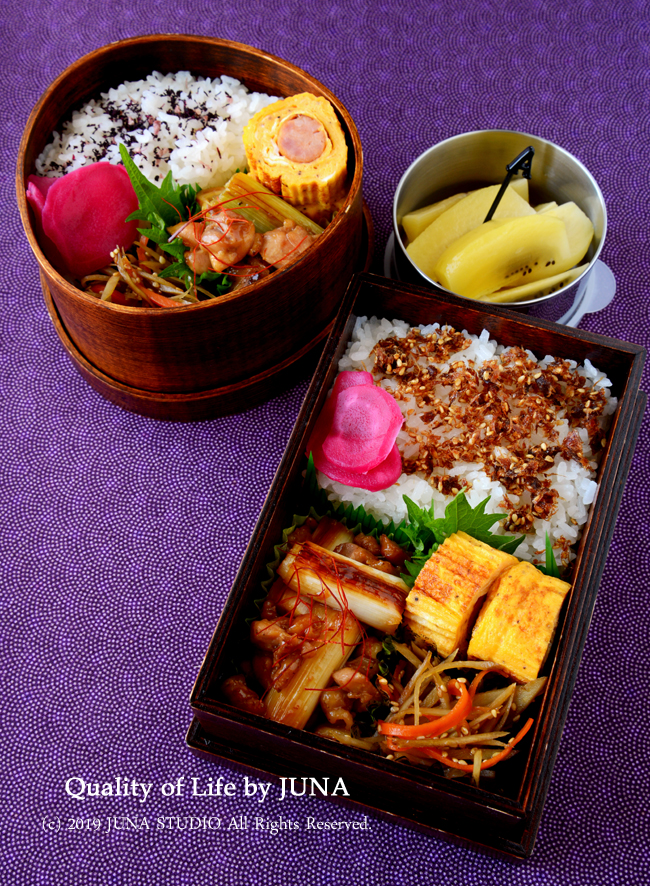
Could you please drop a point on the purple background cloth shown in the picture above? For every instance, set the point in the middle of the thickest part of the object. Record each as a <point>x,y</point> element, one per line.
<point>120,536</point>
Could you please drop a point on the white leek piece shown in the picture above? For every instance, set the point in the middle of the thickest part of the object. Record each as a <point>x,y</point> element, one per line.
<point>375,598</point>
<point>330,533</point>
<point>295,703</point>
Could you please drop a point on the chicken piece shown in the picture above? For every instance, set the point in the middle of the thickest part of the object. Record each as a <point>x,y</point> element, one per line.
<point>255,270</point>
<point>262,668</point>
<point>241,696</point>
<point>369,542</point>
<point>281,246</point>
<point>356,686</point>
<point>391,551</point>
<point>442,601</point>
<point>516,624</point>
<point>366,662</point>
<point>198,260</point>
<point>189,232</point>
<point>227,238</point>
<point>222,240</point>
<point>336,705</point>
<point>270,636</point>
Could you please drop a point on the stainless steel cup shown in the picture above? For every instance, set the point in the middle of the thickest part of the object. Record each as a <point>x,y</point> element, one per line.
<point>476,159</point>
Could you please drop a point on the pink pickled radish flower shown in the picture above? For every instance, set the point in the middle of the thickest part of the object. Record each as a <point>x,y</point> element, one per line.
<point>344,380</point>
<point>83,215</point>
<point>358,427</point>
<point>381,476</point>
<point>365,423</point>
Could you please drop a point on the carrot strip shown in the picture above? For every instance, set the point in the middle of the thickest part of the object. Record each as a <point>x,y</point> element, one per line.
<point>477,679</point>
<point>486,764</point>
<point>157,299</point>
<point>434,727</point>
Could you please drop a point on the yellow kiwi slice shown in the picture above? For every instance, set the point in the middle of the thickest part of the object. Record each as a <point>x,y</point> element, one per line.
<point>521,187</point>
<point>544,207</point>
<point>503,253</point>
<point>426,250</point>
<point>579,228</point>
<point>536,288</point>
<point>415,222</point>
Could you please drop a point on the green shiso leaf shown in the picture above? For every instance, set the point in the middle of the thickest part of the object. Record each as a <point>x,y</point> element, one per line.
<point>422,533</point>
<point>178,269</point>
<point>163,207</point>
<point>426,532</point>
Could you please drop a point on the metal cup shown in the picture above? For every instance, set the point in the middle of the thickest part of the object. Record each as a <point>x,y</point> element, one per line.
<point>476,159</point>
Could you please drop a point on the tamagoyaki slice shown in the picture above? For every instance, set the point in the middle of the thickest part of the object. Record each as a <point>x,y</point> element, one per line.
<point>464,216</point>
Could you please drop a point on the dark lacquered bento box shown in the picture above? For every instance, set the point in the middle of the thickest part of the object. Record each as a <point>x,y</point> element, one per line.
<point>507,820</point>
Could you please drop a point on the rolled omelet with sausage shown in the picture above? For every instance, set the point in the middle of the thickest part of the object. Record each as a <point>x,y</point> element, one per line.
<point>296,147</point>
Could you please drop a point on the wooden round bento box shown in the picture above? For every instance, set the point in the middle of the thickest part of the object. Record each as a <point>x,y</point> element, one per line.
<point>222,355</point>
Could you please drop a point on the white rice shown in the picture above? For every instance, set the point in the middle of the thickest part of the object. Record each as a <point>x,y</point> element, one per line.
<point>190,125</point>
<point>576,485</point>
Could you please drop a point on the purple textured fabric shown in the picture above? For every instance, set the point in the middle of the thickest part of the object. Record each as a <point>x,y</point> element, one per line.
<point>120,536</point>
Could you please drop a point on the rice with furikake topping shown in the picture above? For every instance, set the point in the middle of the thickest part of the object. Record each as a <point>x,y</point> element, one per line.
<point>190,125</point>
<point>488,420</point>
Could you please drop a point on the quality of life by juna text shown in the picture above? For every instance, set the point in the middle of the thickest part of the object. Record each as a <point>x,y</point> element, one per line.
<point>82,789</point>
